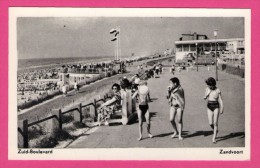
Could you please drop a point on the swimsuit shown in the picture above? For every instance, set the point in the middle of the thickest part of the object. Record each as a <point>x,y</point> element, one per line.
<point>212,105</point>
<point>143,109</point>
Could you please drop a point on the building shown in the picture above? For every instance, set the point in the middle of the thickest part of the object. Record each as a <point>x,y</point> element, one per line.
<point>70,78</point>
<point>194,36</point>
<point>193,48</point>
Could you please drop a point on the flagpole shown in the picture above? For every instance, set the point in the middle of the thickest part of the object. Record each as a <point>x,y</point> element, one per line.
<point>119,40</point>
<point>120,54</point>
<point>115,51</point>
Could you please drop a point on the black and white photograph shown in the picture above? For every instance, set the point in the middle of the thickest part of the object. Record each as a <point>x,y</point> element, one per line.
<point>127,83</point>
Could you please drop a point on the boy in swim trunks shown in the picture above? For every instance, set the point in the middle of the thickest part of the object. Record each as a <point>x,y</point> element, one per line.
<point>215,105</point>
<point>177,103</point>
<point>142,107</point>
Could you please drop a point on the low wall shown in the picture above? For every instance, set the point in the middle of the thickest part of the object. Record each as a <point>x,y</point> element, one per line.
<point>232,70</point>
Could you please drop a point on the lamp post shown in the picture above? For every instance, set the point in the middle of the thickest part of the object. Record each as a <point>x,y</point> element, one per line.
<point>197,56</point>
<point>216,62</point>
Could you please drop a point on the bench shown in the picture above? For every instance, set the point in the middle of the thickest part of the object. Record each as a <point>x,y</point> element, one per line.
<point>128,110</point>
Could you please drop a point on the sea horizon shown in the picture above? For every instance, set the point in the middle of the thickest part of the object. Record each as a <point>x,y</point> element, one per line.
<point>28,63</point>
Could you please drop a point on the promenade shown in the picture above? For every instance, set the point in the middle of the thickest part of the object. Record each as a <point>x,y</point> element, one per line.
<point>196,131</point>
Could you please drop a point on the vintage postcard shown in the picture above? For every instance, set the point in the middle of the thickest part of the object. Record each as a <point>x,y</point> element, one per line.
<point>129,84</point>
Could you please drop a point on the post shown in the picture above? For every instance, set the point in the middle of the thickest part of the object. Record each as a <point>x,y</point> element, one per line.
<point>197,56</point>
<point>215,35</point>
<point>25,134</point>
<point>80,113</point>
<point>95,108</point>
<point>60,119</point>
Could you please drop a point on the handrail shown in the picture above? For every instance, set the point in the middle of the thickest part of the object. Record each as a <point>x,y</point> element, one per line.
<point>24,130</point>
<point>42,120</point>
<point>65,112</point>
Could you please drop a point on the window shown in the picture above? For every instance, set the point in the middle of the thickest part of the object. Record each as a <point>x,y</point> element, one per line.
<point>178,48</point>
<point>186,47</point>
<point>193,47</point>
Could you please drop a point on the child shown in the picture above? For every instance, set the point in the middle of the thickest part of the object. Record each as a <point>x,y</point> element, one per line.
<point>215,105</point>
<point>177,102</point>
<point>143,108</point>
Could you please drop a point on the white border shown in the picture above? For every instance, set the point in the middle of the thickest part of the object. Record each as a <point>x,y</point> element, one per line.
<point>125,153</point>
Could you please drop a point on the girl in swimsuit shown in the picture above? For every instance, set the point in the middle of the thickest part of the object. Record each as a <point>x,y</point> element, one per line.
<point>177,103</point>
<point>215,105</point>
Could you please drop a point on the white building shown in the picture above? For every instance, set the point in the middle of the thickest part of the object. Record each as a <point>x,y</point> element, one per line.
<point>200,47</point>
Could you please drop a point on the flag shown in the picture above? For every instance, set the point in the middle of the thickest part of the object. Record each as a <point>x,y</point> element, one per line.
<point>116,33</point>
<point>113,31</point>
<point>114,39</point>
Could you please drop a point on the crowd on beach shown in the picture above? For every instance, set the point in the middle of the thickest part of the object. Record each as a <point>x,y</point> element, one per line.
<point>35,83</point>
<point>176,100</point>
<point>88,68</point>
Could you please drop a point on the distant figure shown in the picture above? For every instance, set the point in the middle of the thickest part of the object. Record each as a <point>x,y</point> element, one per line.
<point>160,68</point>
<point>157,69</point>
<point>177,102</point>
<point>179,69</point>
<point>172,69</point>
<point>136,81</point>
<point>143,109</point>
<point>64,89</point>
<point>138,68</point>
<point>76,87</point>
<point>215,105</point>
<point>151,73</point>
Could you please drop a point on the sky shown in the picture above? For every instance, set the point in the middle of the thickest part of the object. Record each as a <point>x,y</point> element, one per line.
<point>55,37</point>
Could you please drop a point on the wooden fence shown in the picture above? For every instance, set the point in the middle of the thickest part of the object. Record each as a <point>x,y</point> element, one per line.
<point>56,121</point>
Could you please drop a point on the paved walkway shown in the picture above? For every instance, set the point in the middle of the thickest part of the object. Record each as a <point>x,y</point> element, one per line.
<point>196,130</point>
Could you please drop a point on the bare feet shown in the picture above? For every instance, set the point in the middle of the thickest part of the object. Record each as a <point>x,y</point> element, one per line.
<point>106,123</point>
<point>174,134</point>
<point>214,141</point>
<point>139,139</point>
<point>180,138</point>
<point>150,135</point>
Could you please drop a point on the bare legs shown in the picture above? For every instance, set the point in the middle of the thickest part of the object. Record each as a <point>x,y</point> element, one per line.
<point>213,122</point>
<point>147,118</point>
<point>179,112</point>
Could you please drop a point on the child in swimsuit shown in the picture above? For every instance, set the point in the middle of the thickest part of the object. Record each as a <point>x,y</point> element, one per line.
<point>143,109</point>
<point>215,105</point>
<point>177,103</point>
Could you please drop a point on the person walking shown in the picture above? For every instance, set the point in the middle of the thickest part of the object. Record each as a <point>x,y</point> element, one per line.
<point>76,86</point>
<point>172,69</point>
<point>214,105</point>
<point>142,108</point>
<point>177,103</point>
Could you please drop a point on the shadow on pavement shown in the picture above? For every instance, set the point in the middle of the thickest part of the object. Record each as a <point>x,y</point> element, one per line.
<point>198,133</point>
<point>114,124</point>
<point>232,135</point>
<point>153,114</point>
<point>184,133</point>
<point>135,118</point>
<point>163,135</point>
<point>152,99</point>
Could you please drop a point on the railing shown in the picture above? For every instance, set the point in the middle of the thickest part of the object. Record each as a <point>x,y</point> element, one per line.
<point>57,122</point>
<point>128,112</point>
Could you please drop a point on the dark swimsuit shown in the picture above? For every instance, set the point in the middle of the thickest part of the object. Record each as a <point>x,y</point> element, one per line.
<point>212,105</point>
<point>143,108</point>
